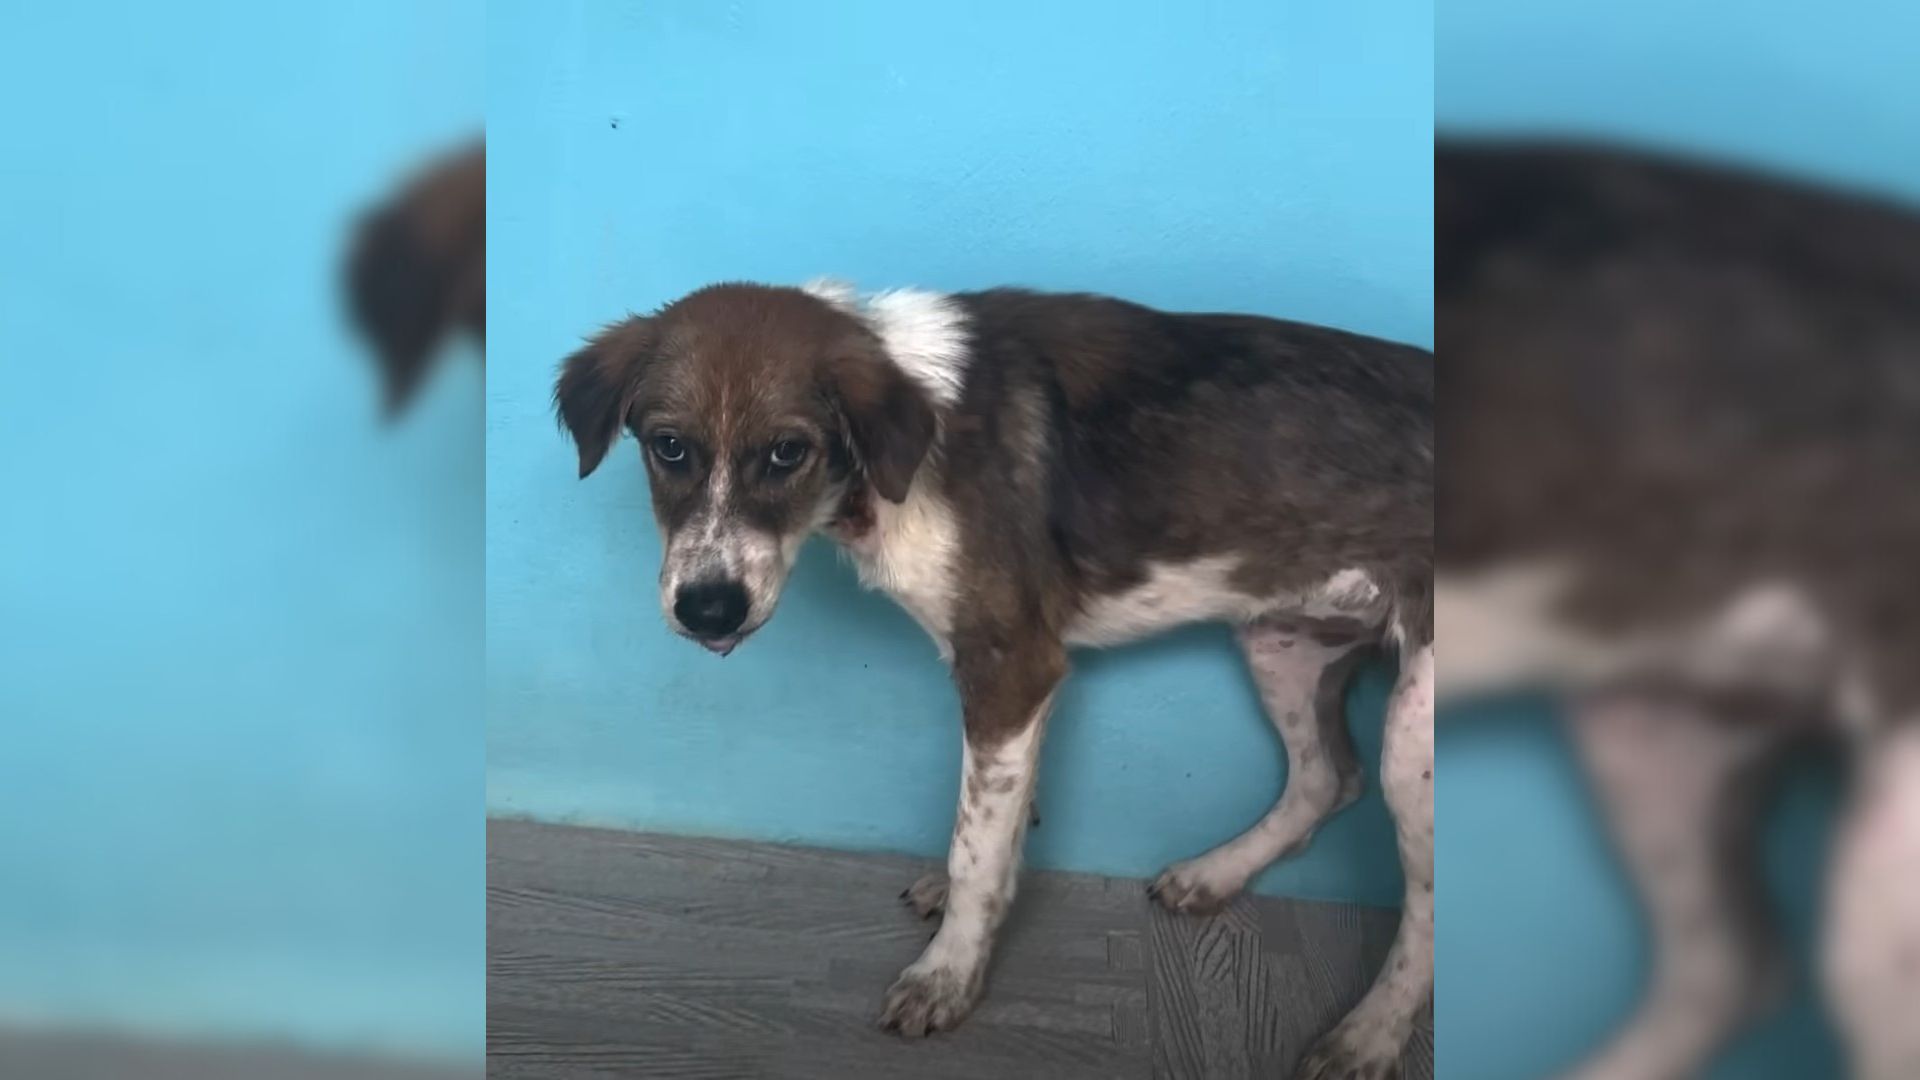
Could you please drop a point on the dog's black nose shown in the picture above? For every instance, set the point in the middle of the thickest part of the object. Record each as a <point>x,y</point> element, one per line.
<point>711,609</point>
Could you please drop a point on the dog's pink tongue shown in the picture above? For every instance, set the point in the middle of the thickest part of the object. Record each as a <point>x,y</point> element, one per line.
<point>720,646</point>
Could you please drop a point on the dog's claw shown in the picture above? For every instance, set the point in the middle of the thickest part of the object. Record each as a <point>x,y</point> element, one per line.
<point>1179,890</point>
<point>928,896</point>
<point>1345,1054</point>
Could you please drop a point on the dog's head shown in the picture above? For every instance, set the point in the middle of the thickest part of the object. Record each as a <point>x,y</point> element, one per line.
<point>756,410</point>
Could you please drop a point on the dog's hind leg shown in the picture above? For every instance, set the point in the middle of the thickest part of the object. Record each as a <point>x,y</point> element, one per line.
<point>1302,684</point>
<point>1679,786</point>
<point>1870,960</point>
<point>1368,1042</point>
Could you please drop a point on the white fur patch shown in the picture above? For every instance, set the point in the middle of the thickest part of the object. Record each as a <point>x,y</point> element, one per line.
<point>840,294</point>
<point>1504,632</point>
<point>1171,595</point>
<point>910,555</point>
<point>1871,951</point>
<point>1349,590</point>
<point>1771,636</point>
<point>1202,591</point>
<point>925,332</point>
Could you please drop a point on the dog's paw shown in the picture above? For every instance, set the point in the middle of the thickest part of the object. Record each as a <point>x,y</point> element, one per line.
<point>930,998</point>
<point>1352,1052</point>
<point>928,896</point>
<point>1188,889</point>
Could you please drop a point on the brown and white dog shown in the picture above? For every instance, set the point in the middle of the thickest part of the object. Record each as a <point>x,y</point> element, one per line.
<point>1682,486</point>
<point>1026,473</point>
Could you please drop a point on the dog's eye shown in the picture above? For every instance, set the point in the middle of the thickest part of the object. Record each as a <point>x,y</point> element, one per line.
<point>669,448</point>
<point>788,453</point>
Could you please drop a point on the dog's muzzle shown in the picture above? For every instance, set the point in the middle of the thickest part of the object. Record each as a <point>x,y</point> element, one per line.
<point>712,613</point>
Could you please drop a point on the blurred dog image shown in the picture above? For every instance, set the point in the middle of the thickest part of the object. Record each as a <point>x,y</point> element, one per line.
<point>1682,485</point>
<point>416,273</point>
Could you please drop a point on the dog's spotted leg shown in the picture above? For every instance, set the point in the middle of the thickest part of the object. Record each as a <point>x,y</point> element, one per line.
<point>1302,683</point>
<point>1870,958</point>
<point>1006,693</point>
<point>1679,786</point>
<point>1367,1043</point>
<point>928,895</point>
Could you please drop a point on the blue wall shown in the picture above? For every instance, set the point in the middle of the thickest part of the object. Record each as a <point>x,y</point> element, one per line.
<point>1540,945</point>
<point>239,624</point>
<point>1255,156</point>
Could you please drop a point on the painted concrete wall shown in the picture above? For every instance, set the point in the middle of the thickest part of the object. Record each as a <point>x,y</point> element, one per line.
<point>1264,157</point>
<point>1540,946</point>
<point>240,751</point>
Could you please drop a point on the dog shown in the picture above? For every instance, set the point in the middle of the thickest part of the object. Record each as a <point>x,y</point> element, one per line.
<point>1682,489</point>
<point>1026,473</point>
<point>416,270</point>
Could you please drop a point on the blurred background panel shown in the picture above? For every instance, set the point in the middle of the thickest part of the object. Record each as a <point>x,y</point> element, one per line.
<point>1826,91</point>
<point>240,642</point>
<point>1270,158</point>
<point>1541,952</point>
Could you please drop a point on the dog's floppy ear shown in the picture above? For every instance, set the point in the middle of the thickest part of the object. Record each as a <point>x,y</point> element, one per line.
<point>597,386</point>
<point>416,271</point>
<point>889,419</point>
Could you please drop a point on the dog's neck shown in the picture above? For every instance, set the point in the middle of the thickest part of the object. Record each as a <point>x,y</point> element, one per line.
<point>853,521</point>
<point>907,551</point>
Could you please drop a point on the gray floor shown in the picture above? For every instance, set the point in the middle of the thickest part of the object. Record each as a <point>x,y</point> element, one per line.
<point>64,1055</point>
<point>622,954</point>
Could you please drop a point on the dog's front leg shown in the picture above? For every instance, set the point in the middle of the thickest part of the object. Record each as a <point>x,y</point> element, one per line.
<point>1006,690</point>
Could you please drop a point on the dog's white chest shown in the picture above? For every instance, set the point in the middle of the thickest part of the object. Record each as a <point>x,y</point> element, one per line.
<point>911,555</point>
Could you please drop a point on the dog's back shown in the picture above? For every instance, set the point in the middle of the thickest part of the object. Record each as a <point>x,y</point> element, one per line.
<point>1283,452</point>
<point>1673,385</point>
